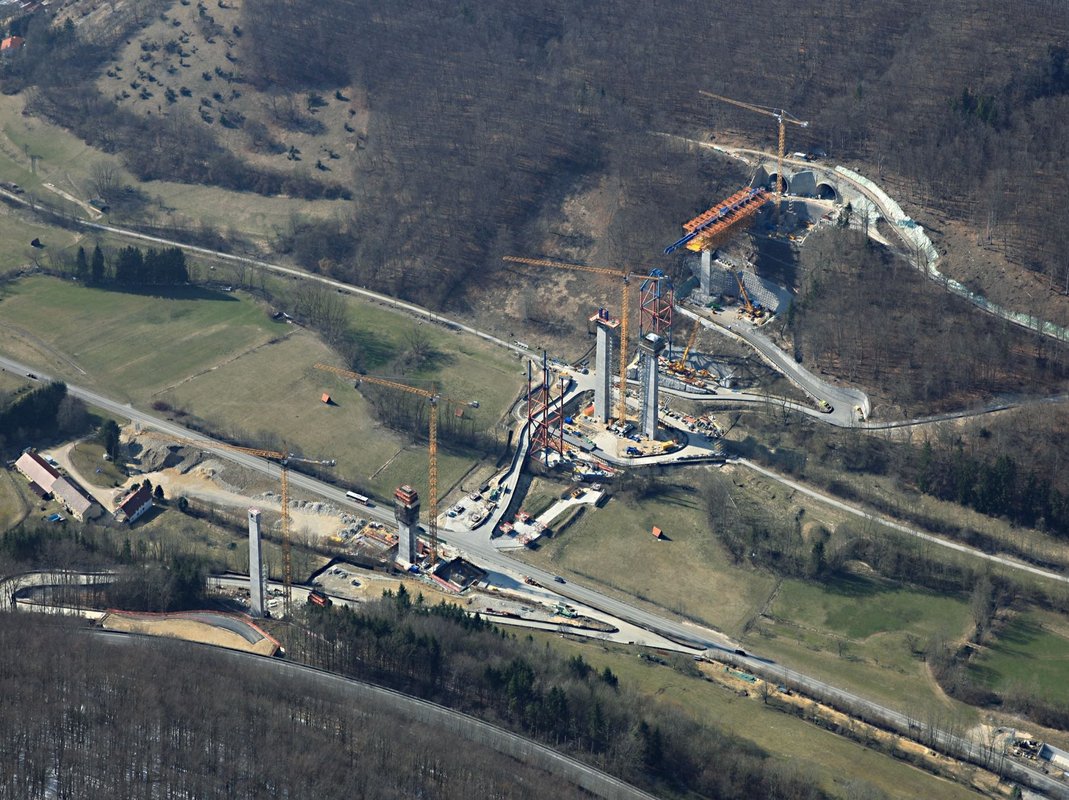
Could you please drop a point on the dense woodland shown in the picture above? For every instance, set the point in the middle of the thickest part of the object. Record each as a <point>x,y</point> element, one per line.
<point>439,653</point>
<point>866,316</point>
<point>40,411</point>
<point>484,119</point>
<point>80,721</point>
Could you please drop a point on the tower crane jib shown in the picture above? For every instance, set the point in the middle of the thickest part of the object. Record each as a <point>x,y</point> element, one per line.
<point>782,118</point>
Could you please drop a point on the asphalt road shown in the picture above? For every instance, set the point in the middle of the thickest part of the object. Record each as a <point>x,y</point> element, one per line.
<point>842,400</point>
<point>477,547</point>
<point>125,410</point>
<point>907,251</point>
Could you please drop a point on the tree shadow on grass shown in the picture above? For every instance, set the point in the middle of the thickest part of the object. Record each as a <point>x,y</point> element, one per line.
<point>857,586</point>
<point>366,350</point>
<point>189,292</point>
<point>1015,638</point>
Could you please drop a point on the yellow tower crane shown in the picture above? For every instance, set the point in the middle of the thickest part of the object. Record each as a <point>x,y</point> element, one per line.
<point>283,460</point>
<point>432,437</point>
<point>782,117</point>
<point>625,308</point>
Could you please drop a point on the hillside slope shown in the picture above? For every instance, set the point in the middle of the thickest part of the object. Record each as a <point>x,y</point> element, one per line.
<point>462,132</point>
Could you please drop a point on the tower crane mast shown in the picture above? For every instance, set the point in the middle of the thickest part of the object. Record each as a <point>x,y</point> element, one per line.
<point>433,398</point>
<point>782,117</point>
<point>283,459</point>
<point>690,343</point>
<point>625,308</point>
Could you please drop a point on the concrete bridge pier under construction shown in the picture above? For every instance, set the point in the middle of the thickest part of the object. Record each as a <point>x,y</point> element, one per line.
<point>608,335</point>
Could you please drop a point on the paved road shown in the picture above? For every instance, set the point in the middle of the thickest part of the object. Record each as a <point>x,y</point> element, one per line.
<point>125,410</point>
<point>843,400</point>
<point>476,546</point>
<point>401,305</point>
<point>928,270</point>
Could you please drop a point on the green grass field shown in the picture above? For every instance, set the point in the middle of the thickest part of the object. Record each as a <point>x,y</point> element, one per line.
<point>855,631</point>
<point>11,384</point>
<point>858,607</point>
<point>219,357</point>
<point>87,457</point>
<point>18,231</point>
<point>135,345</point>
<point>690,573</point>
<point>835,761</point>
<point>859,630</point>
<point>1029,655</point>
<point>14,504</point>
<point>238,399</point>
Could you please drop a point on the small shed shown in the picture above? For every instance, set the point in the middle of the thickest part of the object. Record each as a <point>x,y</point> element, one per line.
<point>327,399</point>
<point>657,533</point>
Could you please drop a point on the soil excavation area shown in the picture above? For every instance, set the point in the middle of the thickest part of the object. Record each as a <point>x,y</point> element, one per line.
<point>222,630</point>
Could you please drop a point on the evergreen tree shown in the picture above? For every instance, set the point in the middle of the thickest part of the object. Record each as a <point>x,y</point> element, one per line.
<point>33,412</point>
<point>96,269</point>
<point>130,267</point>
<point>81,266</point>
<point>109,437</point>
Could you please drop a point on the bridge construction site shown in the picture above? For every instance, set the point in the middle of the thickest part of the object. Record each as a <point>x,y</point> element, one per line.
<point>588,421</point>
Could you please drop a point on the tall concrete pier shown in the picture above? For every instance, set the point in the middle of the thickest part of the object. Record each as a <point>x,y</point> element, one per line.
<point>705,273</point>
<point>256,566</point>
<point>608,334</point>
<point>649,348</point>
<point>406,512</point>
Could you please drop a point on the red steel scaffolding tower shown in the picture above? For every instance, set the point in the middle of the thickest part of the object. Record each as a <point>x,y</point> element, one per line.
<point>545,422</point>
<point>656,301</point>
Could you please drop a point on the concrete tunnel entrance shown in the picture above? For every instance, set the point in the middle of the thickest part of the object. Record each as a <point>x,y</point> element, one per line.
<point>825,191</point>
<point>772,183</point>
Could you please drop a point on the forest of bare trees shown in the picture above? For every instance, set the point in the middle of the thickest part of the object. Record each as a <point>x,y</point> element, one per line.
<point>81,721</point>
<point>484,119</point>
<point>441,654</point>
<point>867,317</point>
<point>481,127</point>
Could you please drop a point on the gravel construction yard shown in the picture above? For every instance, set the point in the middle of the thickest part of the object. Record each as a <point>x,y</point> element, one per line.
<point>223,630</point>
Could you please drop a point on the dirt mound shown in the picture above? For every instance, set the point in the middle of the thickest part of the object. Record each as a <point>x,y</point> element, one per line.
<point>150,456</point>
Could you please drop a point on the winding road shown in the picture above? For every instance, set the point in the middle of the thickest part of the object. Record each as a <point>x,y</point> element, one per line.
<point>480,549</point>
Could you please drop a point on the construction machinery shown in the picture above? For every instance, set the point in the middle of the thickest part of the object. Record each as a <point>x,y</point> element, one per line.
<point>625,307</point>
<point>752,311</point>
<point>681,363</point>
<point>782,117</point>
<point>283,459</point>
<point>433,398</point>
